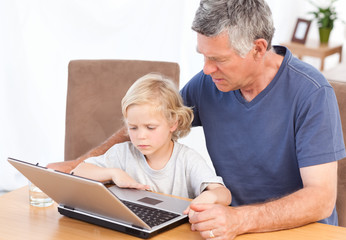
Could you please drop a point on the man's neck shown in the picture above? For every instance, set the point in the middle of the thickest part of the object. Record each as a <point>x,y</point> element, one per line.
<point>267,70</point>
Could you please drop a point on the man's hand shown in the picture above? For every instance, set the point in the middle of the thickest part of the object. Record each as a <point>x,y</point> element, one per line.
<point>214,221</point>
<point>313,202</point>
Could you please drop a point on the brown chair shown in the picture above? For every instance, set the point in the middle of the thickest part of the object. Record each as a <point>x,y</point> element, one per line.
<point>95,90</point>
<point>340,91</point>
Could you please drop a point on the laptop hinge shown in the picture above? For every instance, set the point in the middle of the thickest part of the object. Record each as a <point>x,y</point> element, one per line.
<point>70,208</point>
<point>136,226</point>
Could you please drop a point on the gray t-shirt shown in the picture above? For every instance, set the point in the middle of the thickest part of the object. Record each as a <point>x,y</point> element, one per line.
<point>186,174</point>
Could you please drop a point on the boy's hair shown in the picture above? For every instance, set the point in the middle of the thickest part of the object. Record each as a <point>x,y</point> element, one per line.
<point>156,90</point>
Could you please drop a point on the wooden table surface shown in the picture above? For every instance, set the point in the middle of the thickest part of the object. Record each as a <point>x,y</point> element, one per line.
<point>19,220</point>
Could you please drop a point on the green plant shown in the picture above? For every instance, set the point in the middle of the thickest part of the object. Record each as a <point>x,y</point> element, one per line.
<point>325,13</point>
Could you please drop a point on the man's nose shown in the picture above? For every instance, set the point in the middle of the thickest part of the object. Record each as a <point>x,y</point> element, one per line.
<point>209,67</point>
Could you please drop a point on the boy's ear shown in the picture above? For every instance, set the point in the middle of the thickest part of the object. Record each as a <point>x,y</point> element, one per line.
<point>174,126</point>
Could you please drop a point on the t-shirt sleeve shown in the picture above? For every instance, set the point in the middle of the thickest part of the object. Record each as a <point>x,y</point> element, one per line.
<point>200,173</point>
<point>319,136</point>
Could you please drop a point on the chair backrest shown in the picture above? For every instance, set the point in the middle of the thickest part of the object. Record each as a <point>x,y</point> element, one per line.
<point>340,91</point>
<point>95,90</point>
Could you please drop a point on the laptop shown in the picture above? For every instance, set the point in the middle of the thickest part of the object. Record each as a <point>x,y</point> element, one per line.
<point>115,208</point>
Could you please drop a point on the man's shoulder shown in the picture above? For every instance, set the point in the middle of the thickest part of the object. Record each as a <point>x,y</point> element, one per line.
<point>301,72</point>
<point>199,78</point>
<point>198,84</point>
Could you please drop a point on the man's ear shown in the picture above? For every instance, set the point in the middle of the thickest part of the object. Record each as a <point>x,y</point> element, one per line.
<point>260,48</point>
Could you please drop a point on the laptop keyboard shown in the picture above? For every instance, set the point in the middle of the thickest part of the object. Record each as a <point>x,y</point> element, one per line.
<point>151,216</point>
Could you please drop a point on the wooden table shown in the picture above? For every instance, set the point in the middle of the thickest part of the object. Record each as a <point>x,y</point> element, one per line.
<point>314,49</point>
<point>19,220</point>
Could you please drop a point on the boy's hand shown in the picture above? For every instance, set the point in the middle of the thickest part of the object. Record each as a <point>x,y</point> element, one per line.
<point>188,212</point>
<point>202,198</point>
<point>123,180</point>
<point>214,193</point>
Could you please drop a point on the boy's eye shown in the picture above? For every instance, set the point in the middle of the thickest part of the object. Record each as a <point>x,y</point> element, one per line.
<point>132,128</point>
<point>151,127</point>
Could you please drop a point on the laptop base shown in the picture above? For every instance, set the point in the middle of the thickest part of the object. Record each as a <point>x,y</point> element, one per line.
<point>90,201</point>
<point>115,226</point>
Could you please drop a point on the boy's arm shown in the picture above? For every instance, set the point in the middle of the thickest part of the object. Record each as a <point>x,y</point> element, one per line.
<point>93,171</point>
<point>117,175</point>
<point>67,166</point>
<point>214,193</point>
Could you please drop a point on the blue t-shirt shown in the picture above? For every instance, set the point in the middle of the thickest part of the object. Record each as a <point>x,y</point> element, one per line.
<point>258,147</point>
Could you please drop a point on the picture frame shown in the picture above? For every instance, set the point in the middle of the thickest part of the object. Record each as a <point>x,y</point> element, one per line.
<point>301,30</point>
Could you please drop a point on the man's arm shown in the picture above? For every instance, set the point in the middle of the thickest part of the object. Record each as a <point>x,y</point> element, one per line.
<point>67,166</point>
<point>315,201</point>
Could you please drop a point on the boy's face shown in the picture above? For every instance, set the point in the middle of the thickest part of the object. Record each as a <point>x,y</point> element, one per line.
<point>149,130</point>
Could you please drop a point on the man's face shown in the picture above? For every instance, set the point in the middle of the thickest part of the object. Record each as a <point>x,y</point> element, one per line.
<point>228,70</point>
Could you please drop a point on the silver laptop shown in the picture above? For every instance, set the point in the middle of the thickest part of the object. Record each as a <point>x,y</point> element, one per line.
<point>124,210</point>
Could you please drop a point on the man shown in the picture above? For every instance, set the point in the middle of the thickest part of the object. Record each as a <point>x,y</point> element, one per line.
<point>271,124</point>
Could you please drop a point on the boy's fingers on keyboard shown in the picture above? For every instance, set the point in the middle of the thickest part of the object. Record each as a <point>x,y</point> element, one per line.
<point>186,211</point>
<point>139,186</point>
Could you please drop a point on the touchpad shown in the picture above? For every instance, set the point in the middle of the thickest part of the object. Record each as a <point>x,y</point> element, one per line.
<point>148,200</point>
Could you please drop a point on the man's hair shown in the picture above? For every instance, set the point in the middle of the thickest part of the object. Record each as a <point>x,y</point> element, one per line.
<point>160,92</point>
<point>244,20</point>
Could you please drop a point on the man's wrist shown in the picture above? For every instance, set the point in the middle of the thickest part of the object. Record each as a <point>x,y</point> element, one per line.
<point>249,218</point>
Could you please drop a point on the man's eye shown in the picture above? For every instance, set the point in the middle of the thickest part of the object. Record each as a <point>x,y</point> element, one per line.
<point>220,60</point>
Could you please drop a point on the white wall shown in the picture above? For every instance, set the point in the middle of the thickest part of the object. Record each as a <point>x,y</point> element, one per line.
<point>39,37</point>
<point>285,14</point>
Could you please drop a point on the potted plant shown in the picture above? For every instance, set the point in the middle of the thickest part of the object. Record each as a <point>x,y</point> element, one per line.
<point>325,15</point>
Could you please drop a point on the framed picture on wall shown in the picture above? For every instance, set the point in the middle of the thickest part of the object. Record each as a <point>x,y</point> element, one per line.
<point>301,31</point>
